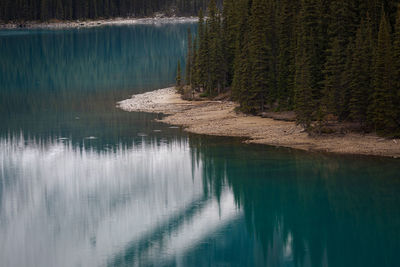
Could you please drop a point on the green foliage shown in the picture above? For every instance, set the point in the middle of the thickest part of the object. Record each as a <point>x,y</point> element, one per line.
<point>178,76</point>
<point>229,35</point>
<point>382,110</point>
<point>361,73</point>
<point>203,53</point>
<point>286,54</point>
<point>317,57</point>
<point>396,60</point>
<point>242,66</point>
<point>333,79</point>
<point>214,74</point>
<point>189,59</point>
<point>303,88</point>
<point>260,55</point>
<point>194,66</point>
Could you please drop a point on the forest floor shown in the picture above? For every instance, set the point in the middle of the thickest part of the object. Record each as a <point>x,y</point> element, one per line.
<point>220,118</point>
<point>60,24</point>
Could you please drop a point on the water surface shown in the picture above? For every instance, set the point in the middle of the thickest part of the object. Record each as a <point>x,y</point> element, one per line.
<point>85,184</point>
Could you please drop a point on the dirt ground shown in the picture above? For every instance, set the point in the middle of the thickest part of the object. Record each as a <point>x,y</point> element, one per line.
<point>219,118</point>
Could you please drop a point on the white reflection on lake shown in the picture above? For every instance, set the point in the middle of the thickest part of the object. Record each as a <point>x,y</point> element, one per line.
<point>61,205</point>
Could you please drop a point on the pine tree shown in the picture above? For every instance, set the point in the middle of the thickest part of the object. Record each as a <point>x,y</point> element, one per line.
<point>341,30</point>
<point>213,44</point>
<point>178,76</point>
<point>193,70</point>
<point>345,94</point>
<point>333,71</point>
<point>303,96</point>
<point>59,9</point>
<point>396,58</point>
<point>203,53</point>
<point>308,75</point>
<point>259,55</point>
<point>360,84</point>
<point>43,10</point>
<point>382,110</point>
<point>286,58</point>
<point>272,44</point>
<point>242,65</point>
<point>229,35</point>
<point>189,59</point>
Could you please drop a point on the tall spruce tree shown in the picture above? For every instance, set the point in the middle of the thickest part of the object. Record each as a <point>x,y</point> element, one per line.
<point>194,68</point>
<point>203,53</point>
<point>260,55</point>
<point>189,58</point>
<point>361,73</point>
<point>382,110</point>
<point>308,76</point>
<point>242,64</point>
<point>43,10</point>
<point>286,58</point>
<point>396,57</point>
<point>341,29</point>
<point>334,69</point>
<point>229,35</point>
<point>303,97</point>
<point>214,77</point>
<point>178,76</point>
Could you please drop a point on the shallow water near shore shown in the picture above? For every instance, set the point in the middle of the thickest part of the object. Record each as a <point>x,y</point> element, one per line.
<point>83,183</point>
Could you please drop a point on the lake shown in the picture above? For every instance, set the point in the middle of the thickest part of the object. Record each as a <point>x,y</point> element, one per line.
<point>85,184</point>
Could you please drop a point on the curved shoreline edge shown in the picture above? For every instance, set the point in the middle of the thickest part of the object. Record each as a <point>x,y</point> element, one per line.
<point>219,118</point>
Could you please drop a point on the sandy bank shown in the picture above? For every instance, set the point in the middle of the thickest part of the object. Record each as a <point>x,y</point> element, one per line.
<point>219,118</point>
<point>96,23</point>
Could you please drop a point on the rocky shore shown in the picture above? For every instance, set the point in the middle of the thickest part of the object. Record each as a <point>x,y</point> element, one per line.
<point>220,118</point>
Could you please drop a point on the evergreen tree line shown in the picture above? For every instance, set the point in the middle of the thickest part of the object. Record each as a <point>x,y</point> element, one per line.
<point>327,60</point>
<point>22,10</point>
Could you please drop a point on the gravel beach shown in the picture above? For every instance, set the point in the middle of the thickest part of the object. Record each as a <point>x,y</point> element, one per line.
<point>219,118</point>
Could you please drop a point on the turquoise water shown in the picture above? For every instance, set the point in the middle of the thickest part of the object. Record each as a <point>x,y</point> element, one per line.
<point>85,184</point>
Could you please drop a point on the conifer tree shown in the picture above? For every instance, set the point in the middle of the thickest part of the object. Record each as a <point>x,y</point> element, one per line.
<point>361,72</point>
<point>203,53</point>
<point>310,37</point>
<point>308,75</point>
<point>59,9</point>
<point>333,71</point>
<point>214,49</point>
<point>303,96</point>
<point>189,59</point>
<point>286,58</point>
<point>341,29</point>
<point>382,110</point>
<point>193,70</point>
<point>396,57</point>
<point>43,10</point>
<point>345,94</point>
<point>242,65</point>
<point>272,44</point>
<point>178,76</point>
<point>229,35</point>
<point>259,54</point>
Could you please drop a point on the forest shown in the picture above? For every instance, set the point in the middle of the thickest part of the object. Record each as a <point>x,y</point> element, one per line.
<point>23,10</point>
<point>326,60</point>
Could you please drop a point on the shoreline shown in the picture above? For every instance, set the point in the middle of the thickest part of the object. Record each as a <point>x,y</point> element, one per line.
<point>218,118</point>
<point>63,24</point>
